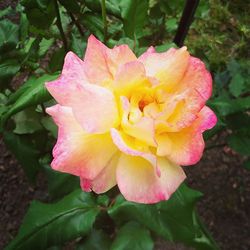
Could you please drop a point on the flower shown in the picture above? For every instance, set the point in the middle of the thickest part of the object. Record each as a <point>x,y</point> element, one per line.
<point>130,121</point>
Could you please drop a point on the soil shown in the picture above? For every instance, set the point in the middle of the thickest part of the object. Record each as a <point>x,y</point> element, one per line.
<point>225,206</point>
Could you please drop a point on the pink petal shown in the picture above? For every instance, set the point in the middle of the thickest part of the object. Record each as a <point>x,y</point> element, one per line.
<point>101,63</point>
<point>94,106</point>
<point>138,181</point>
<point>95,61</point>
<point>76,152</point>
<point>186,146</point>
<point>105,180</point>
<point>168,67</point>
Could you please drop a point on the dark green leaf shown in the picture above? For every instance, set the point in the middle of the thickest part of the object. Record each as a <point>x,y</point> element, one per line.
<point>25,153</point>
<point>78,45</point>
<point>134,14</point>
<point>6,11</point>
<point>240,143</point>
<point>246,165</point>
<point>132,236</point>
<point>49,125</point>
<point>237,85</point>
<point>27,122</point>
<point>97,240</point>
<point>8,69</point>
<point>60,184</point>
<point>174,220</point>
<point>40,13</point>
<point>94,24</point>
<point>111,6</point>
<point>56,61</point>
<point>8,35</point>
<point>48,225</point>
<point>33,92</point>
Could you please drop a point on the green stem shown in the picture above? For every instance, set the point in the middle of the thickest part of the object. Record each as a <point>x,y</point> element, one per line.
<point>59,26</point>
<point>76,23</point>
<point>104,17</point>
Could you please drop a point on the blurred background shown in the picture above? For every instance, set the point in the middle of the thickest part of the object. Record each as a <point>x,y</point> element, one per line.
<point>34,38</point>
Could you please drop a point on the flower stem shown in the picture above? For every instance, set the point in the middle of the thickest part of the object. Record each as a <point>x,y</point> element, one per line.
<point>104,17</point>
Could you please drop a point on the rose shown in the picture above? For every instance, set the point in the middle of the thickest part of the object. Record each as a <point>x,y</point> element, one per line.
<point>130,121</point>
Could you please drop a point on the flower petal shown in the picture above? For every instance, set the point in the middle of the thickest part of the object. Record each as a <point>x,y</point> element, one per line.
<point>168,67</point>
<point>118,56</point>
<point>186,146</point>
<point>105,180</point>
<point>101,63</point>
<point>138,181</point>
<point>95,61</point>
<point>72,74</point>
<point>131,146</point>
<point>93,106</point>
<point>76,152</point>
<point>129,77</point>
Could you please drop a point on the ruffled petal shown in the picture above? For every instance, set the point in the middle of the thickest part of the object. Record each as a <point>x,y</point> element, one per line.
<point>133,124</point>
<point>105,180</point>
<point>101,63</point>
<point>131,146</point>
<point>118,56</point>
<point>94,106</point>
<point>72,74</point>
<point>186,146</point>
<point>168,67</point>
<point>95,61</point>
<point>77,152</point>
<point>138,181</point>
<point>129,77</point>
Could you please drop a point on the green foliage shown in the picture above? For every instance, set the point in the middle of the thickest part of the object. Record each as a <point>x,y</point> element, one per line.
<point>33,92</point>
<point>96,240</point>
<point>25,152</point>
<point>134,13</point>
<point>47,225</point>
<point>132,236</point>
<point>174,220</point>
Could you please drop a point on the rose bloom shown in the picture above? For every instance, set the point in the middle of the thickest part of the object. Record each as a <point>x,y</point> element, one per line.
<point>130,121</point>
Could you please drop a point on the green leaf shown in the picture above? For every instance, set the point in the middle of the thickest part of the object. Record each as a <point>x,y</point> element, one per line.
<point>237,85</point>
<point>33,92</point>
<point>8,35</point>
<point>6,11</point>
<point>8,69</point>
<point>78,45</point>
<point>240,143</point>
<point>111,6</point>
<point>246,165</point>
<point>174,220</point>
<point>40,13</point>
<point>44,46</point>
<point>134,13</point>
<point>94,24</point>
<point>49,125</point>
<point>165,47</point>
<point>48,225</point>
<point>57,59</point>
<point>96,240</point>
<point>27,122</point>
<point>25,153</point>
<point>60,184</point>
<point>132,236</point>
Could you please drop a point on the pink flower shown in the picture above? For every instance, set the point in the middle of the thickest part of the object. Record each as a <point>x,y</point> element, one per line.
<point>130,121</point>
